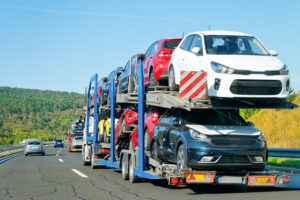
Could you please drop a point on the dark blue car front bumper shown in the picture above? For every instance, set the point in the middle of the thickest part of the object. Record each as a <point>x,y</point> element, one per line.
<point>207,155</point>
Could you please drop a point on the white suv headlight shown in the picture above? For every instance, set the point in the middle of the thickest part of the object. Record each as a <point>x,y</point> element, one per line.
<point>197,135</point>
<point>219,68</point>
<point>284,70</point>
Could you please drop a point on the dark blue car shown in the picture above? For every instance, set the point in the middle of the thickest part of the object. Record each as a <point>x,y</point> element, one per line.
<point>208,139</point>
<point>58,143</point>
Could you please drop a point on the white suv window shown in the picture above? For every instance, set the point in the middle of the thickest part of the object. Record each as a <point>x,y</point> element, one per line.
<point>187,43</point>
<point>197,42</point>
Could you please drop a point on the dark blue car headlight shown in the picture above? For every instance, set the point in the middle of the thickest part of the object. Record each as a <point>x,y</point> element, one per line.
<point>261,137</point>
<point>197,135</point>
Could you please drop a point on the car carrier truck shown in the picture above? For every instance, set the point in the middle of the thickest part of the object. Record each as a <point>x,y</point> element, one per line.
<point>137,165</point>
<point>75,135</point>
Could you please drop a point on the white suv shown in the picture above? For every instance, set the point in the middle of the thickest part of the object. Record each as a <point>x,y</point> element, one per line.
<point>237,65</point>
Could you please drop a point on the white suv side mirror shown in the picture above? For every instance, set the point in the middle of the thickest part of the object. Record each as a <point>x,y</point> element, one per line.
<point>273,53</point>
<point>196,50</point>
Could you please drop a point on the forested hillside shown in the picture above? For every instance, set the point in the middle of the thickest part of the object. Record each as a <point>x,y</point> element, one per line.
<point>281,127</point>
<point>27,113</point>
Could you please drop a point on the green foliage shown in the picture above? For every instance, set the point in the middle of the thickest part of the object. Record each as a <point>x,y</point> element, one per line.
<point>247,113</point>
<point>292,95</point>
<point>286,162</point>
<point>27,113</point>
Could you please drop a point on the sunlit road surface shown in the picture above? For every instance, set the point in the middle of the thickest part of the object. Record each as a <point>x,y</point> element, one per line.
<point>60,175</point>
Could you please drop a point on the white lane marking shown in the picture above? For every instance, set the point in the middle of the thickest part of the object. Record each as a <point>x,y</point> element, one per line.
<point>61,160</point>
<point>79,173</point>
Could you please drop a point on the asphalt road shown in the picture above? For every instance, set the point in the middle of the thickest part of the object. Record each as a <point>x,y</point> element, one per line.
<point>60,175</point>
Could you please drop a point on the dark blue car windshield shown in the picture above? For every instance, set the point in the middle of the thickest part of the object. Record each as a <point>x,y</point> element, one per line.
<point>213,117</point>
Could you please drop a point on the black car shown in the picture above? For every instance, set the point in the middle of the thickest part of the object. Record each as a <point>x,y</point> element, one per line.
<point>208,139</point>
<point>104,86</point>
<point>130,71</point>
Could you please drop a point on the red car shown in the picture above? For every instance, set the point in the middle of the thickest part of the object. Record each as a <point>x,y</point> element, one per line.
<point>156,61</point>
<point>126,123</point>
<point>151,119</point>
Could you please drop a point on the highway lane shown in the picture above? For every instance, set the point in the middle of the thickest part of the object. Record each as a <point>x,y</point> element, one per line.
<point>60,175</point>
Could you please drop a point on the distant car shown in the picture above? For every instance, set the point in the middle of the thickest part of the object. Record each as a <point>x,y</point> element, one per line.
<point>58,143</point>
<point>237,66</point>
<point>34,147</point>
<point>129,72</point>
<point>156,61</point>
<point>208,139</point>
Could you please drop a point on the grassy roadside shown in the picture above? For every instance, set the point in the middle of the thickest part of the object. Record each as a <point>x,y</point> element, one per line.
<point>10,152</point>
<point>285,162</point>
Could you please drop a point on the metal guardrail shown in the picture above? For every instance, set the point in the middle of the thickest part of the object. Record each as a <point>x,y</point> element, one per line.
<point>284,152</point>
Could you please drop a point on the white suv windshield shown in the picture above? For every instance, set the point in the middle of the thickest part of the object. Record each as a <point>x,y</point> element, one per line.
<point>233,45</point>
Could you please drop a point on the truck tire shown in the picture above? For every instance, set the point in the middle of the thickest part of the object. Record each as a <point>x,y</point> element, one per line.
<point>125,169</point>
<point>92,159</point>
<point>84,162</point>
<point>132,177</point>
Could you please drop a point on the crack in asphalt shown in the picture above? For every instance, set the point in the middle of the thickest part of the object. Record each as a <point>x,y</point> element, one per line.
<point>7,193</point>
<point>43,194</point>
<point>105,190</point>
<point>76,194</point>
<point>124,189</point>
<point>44,179</point>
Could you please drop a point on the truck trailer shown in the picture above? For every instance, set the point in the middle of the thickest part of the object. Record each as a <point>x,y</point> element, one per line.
<point>137,165</point>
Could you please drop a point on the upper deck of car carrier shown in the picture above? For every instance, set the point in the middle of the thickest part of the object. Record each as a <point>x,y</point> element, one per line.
<point>171,99</point>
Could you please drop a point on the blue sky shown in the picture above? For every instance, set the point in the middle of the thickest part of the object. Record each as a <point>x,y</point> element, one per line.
<point>60,44</point>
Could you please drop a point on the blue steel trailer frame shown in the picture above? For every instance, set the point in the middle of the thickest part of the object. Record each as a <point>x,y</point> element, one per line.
<point>112,162</point>
<point>94,138</point>
<point>140,171</point>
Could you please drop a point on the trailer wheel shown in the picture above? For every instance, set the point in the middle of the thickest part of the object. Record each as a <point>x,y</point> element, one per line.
<point>84,162</point>
<point>92,159</point>
<point>132,177</point>
<point>125,169</point>
<point>181,159</point>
